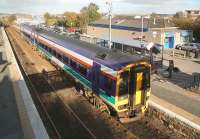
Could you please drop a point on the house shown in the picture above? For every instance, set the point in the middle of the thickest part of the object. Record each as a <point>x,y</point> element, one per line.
<point>194,14</point>
<point>23,18</point>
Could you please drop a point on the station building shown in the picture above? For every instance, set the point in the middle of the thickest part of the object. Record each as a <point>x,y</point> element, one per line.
<point>129,31</point>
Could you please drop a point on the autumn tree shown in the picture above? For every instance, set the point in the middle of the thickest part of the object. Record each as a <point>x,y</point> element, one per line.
<point>11,19</point>
<point>189,24</point>
<point>47,16</point>
<point>71,18</point>
<point>87,15</point>
<point>90,12</point>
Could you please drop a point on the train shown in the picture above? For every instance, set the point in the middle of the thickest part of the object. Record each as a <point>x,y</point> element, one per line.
<point>120,80</point>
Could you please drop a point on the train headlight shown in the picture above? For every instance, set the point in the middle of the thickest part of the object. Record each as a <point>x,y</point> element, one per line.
<point>121,107</point>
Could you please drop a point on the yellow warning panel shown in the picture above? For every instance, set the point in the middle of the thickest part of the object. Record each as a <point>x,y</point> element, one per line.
<point>138,95</point>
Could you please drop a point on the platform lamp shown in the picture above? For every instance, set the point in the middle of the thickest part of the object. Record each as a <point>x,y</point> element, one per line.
<point>163,32</point>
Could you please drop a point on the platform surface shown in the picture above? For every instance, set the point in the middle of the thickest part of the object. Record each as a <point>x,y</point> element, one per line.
<point>171,94</point>
<point>9,118</point>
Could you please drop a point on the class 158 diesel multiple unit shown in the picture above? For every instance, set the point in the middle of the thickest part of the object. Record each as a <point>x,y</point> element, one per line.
<point>120,80</point>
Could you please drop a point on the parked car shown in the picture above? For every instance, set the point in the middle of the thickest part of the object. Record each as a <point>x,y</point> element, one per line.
<point>189,46</point>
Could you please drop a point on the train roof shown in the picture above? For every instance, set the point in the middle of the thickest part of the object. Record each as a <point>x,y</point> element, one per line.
<point>113,59</point>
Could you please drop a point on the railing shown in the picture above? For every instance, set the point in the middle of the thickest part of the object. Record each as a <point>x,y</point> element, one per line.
<point>193,82</point>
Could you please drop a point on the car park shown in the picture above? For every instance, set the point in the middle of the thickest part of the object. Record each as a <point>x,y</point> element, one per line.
<point>188,46</point>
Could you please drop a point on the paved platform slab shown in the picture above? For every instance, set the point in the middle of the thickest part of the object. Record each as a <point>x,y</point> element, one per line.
<point>9,118</point>
<point>183,99</point>
<point>21,119</point>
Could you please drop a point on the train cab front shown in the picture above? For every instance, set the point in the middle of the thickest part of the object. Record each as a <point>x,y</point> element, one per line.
<point>133,90</point>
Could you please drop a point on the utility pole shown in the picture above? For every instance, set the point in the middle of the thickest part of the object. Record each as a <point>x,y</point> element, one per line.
<point>110,23</point>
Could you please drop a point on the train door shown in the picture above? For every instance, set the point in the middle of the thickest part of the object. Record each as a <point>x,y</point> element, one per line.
<point>139,83</point>
<point>96,70</point>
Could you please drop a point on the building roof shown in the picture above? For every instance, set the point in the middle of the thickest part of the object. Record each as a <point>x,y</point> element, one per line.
<point>134,24</point>
<point>124,24</point>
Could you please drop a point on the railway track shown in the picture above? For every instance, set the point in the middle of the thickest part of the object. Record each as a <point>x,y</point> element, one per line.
<point>65,113</point>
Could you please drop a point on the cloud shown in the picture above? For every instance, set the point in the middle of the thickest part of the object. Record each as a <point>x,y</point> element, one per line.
<point>153,2</point>
<point>119,6</point>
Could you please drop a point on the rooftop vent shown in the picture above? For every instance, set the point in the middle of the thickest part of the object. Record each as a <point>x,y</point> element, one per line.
<point>101,56</point>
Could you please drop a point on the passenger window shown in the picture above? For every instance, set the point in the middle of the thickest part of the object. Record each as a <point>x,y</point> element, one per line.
<point>146,80</point>
<point>83,70</point>
<point>54,52</point>
<point>65,59</point>
<point>49,50</point>
<point>109,84</point>
<point>123,86</point>
<point>46,48</point>
<point>73,64</point>
<point>59,56</point>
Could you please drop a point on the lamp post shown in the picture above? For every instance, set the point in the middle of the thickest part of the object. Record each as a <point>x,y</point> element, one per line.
<point>163,32</point>
<point>110,24</point>
<point>141,40</point>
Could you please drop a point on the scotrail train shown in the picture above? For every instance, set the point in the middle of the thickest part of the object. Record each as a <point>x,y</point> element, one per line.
<point>121,81</point>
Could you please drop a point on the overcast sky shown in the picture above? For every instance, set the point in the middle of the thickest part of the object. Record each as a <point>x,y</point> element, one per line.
<point>119,6</point>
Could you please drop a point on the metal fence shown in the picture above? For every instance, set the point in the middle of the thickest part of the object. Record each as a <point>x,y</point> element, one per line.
<point>193,82</point>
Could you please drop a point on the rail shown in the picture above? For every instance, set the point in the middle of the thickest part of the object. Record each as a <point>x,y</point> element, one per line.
<point>67,108</point>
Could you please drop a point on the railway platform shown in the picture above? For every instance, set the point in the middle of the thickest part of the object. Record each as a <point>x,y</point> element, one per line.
<point>18,116</point>
<point>9,116</point>
<point>171,94</point>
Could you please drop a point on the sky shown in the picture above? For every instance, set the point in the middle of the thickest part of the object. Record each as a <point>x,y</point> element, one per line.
<point>119,6</point>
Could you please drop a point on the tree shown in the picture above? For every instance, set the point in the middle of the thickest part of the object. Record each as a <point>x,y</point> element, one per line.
<point>71,18</point>
<point>196,29</point>
<point>47,16</point>
<point>183,23</point>
<point>90,12</point>
<point>189,24</point>
<point>153,15</point>
<point>179,15</point>
<point>11,19</point>
<point>87,15</point>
